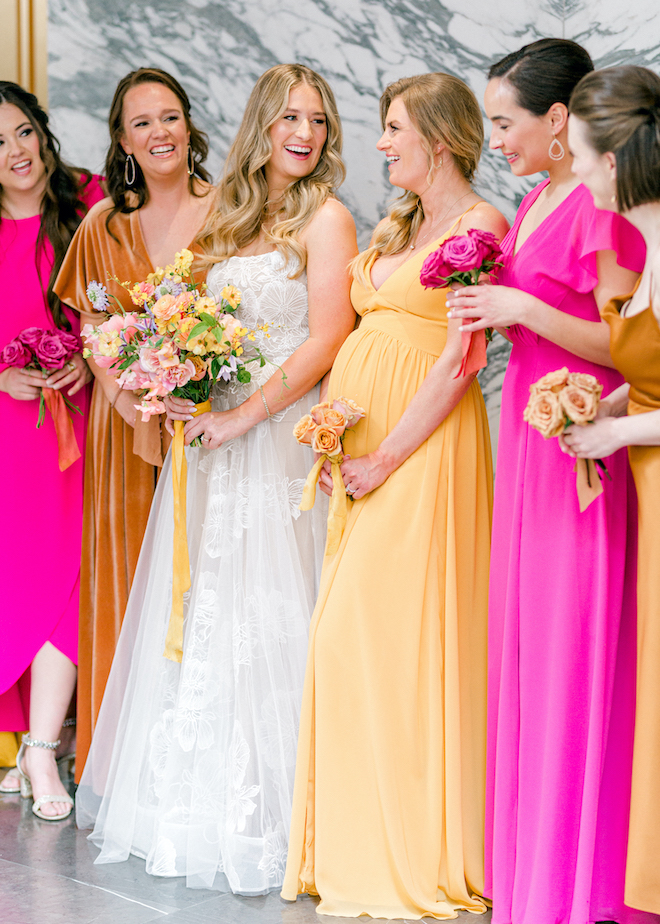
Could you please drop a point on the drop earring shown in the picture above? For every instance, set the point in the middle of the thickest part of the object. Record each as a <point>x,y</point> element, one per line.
<point>559,153</point>
<point>130,165</point>
<point>191,162</point>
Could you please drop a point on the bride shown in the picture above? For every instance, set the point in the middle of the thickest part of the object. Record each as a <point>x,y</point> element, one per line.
<point>191,766</point>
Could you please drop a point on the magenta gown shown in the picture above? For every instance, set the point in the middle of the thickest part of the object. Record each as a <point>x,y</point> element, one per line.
<point>561,616</point>
<point>41,506</point>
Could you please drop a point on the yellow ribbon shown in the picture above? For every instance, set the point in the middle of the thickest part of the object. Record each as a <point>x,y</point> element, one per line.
<point>338,504</point>
<point>181,561</point>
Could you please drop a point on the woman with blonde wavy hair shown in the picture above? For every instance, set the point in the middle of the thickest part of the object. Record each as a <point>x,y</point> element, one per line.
<point>202,753</point>
<point>388,811</point>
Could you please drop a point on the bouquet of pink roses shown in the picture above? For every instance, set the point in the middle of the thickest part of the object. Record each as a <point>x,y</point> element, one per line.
<point>323,429</point>
<point>461,260</point>
<point>48,351</point>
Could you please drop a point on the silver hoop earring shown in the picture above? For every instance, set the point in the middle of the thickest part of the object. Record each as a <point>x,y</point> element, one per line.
<point>559,153</point>
<point>129,162</point>
<point>191,162</point>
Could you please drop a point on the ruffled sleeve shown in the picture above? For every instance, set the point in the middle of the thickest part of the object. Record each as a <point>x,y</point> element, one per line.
<point>594,230</point>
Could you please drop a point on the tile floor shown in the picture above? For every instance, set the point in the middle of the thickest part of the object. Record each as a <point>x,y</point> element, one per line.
<point>47,876</point>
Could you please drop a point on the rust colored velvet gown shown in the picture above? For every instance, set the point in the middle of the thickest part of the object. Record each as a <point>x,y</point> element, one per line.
<point>121,464</point>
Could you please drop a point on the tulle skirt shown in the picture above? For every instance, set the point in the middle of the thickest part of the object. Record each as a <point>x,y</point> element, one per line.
<point>192,764</point>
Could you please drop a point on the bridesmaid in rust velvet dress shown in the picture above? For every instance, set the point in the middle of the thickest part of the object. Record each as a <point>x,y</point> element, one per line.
<point>157,202</point>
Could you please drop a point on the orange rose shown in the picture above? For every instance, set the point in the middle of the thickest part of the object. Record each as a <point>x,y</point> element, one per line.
<point>553,381</point>
<point>200,367</point>
<point>325,440</point>
<point>544,413</point>
<point>165,308</point>
<point>328,417</point>
<point>304,429</point>
<point>580,401</point>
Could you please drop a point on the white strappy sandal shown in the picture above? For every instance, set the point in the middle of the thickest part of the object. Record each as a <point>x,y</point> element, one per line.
<point>11,781</point>
<point>26,785</point>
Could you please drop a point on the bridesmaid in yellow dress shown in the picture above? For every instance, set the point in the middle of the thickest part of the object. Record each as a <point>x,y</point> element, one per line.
<point>614,133</point>
<point>388,810</point>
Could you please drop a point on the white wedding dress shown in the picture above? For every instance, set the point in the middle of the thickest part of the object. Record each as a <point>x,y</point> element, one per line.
<point>192,764</point>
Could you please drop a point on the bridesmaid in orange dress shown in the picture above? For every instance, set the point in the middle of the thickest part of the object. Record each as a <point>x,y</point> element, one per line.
<point>614,133</point>
<point>157,202</point>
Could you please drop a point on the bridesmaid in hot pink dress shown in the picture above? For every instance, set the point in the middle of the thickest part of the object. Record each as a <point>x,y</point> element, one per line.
<point>42,506</point>
<point>562,592</point>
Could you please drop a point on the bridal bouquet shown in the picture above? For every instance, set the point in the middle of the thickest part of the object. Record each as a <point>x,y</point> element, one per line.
<point>558,400</point>
<point>179,341</point>
<point>323,429</point>
<point>48,351</point>
<point>461,260</point>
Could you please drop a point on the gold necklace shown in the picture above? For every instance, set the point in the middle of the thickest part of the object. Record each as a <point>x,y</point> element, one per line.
<point>440,220</point>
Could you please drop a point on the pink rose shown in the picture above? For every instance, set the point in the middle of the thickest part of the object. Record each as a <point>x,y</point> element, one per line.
<point>462,253</point>
<point>149,359</point>
<point>435,271</point>
<point>16,354</point>
<point>167,355</point>
<point>487,243</point>
<point>350,409</point>
<point>134,378</point>
<point>51,352</point>
<point>178,376</point>
<point>31,336</point>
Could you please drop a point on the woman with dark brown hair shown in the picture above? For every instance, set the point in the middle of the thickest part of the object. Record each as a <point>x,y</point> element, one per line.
<point>157,203</point>
<point>614,134</point>
<point>42,202</point>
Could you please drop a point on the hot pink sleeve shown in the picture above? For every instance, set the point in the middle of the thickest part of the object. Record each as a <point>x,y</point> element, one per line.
<point>596,230</point>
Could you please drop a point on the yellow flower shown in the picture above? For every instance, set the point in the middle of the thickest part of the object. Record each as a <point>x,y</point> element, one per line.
<point>206,303</point>
<point>231,295</point>
<point>183,261</point>
<point>155,279</point>
<point>109,343</point>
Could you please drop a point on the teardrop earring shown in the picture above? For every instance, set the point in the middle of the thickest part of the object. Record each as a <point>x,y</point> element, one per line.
<point>191,162</point>
<point>129,167</point>
<point>559,153</point>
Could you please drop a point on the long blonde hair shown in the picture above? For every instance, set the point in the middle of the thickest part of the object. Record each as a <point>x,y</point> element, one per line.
<point>241,197</point>
<point>443,109</point>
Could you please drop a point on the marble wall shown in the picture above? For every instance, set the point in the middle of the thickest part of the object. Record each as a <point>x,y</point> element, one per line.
<point>217,48</point>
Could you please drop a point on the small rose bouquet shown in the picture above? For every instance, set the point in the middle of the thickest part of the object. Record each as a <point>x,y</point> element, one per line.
<point>323,429</point>
<point>48,351</point>
<point>461,260</point>
<point>558,400</point>
<point>179,341</point>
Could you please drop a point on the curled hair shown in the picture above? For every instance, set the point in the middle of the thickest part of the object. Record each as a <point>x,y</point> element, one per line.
<point>62,208</point>
<point>241,198</point>
<point>442,109</point>
<point>621,108</point>
<point>130,199</point>
<point>544,72</point>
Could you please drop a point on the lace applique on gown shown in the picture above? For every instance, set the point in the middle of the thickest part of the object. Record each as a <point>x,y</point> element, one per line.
<point>192,765</point>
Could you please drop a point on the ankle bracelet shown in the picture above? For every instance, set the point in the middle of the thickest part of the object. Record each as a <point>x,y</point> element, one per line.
<point>35,743</point>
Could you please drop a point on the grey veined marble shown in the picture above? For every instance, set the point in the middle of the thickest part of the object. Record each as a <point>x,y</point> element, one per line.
<point>217,49</point>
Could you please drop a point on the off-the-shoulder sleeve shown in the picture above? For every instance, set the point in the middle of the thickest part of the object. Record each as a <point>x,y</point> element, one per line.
<point>85,258</point>
<point>595,230</point>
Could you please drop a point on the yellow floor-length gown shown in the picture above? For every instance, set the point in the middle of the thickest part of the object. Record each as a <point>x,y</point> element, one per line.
<point>388,812</point>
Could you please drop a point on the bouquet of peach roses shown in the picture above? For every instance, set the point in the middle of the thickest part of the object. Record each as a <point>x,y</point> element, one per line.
<point>558,400</point>
<point>323,429</point>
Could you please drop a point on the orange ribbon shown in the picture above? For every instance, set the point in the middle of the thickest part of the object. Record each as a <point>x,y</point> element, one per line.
<point>474,352</point>
<point>587,483</point>
<point>67,444</point>
<point>181,560</point>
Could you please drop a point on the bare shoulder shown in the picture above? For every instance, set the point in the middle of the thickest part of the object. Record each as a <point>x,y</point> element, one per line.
<point>332,221</point>
<point>485,217</point>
